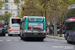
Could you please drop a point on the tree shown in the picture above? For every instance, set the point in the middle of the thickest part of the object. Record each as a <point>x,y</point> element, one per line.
<point>44,4</point>
<point>2,3</point>
<point>5,16</point>
<point>31,9</point>
<point>17,2</point>
<point>53,9</point>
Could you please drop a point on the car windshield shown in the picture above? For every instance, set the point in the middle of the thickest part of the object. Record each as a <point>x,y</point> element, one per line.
<point>15,21</point>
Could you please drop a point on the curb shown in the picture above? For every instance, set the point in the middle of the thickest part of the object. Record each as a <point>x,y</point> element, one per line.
<point>55,37</point>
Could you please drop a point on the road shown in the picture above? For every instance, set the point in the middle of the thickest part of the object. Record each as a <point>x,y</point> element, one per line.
<point>15,43</point>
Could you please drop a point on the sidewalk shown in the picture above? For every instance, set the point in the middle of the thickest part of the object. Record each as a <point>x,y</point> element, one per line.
<point>55,37</point>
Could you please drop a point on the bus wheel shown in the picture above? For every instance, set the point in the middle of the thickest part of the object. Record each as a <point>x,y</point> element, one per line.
<point>3,34</point>
<point>68,40</point>
<point>25,39</point>
<point>9,35</point>
<point>21,38</point>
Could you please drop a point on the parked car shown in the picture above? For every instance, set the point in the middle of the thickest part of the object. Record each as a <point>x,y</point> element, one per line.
<point>2,31</point>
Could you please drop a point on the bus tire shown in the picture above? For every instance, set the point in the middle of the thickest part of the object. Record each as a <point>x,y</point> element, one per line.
<point>9,35</point>
<point>69,42</point>
<point>21,38</point>
<point>3,34</point>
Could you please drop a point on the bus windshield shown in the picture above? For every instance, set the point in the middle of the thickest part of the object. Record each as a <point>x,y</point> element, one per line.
<point>35,26</point>
<point>35,19</point>
<point>15,21</point>
<point>70,26</point>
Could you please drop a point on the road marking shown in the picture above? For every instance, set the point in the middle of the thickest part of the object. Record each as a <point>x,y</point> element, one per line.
<point>8,40</point>
<point>1,40</point>
<point>16,40</point>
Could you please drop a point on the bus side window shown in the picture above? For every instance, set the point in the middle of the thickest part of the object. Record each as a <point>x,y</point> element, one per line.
<point>24,22</point>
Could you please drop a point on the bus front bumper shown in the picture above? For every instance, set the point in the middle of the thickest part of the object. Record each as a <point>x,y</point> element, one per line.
<point>72,38</point>
<point>14,32</point>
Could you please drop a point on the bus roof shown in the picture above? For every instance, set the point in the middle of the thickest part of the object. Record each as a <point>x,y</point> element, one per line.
<point>70,20</point>
<point>71,6</point>
<point>14,17</point>
<point>31,17</point>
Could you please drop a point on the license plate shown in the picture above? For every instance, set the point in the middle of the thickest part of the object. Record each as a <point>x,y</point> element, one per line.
<point>35,33</point>
<point>16,32</point>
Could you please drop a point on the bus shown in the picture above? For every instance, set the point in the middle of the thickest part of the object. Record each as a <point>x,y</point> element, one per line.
<point>70,24</point>
<point>14,26</point>
<point>33,27</point>
<point>70,30</point>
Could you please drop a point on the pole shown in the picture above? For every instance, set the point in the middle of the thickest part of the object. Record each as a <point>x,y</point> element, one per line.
<point>60,34</point>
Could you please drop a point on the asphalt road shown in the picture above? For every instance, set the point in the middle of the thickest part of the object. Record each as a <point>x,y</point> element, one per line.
<point>15,43</point>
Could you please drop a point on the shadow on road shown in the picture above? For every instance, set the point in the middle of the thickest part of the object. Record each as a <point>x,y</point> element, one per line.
<point>33,40</point>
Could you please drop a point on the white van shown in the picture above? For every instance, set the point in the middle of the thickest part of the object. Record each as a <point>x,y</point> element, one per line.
<point>14,26</point>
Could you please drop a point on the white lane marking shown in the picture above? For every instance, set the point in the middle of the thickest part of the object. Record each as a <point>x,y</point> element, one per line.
<point>1,40</point>
<point>55,40</point>
<point>16,40</point>
<point>52,40</point>
<point>8,40</point>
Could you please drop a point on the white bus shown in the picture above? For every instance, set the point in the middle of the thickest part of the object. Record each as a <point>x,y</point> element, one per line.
<point>14,26</point>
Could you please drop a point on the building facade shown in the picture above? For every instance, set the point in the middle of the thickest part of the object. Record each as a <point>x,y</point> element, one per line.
<point>11,7</point>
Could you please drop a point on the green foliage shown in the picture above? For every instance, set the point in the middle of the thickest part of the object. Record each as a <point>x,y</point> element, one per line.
<point>18,16</point>
<point>60,6</point>
<point>71,12</point>
<point>30,10</point>
<point>16,2</point>
<point>5,16</point>
<point>2,3</point>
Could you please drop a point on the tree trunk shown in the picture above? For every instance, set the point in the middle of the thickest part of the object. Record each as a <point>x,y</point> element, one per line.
<point>45,16</point>
<point>55,21</point>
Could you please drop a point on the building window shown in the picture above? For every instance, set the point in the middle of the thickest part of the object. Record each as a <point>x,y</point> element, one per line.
<point>13,14</point>
<point>6,6</point>
<point>18,7</point>
<point>6,11</point>
<point>21,0</point>
<point>18,12</point>
<point>6,0</point>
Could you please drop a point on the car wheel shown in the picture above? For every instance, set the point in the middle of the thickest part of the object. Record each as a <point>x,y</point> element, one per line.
<point>9,35</point>
<point>68,40</point>
<point>3,34</point>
